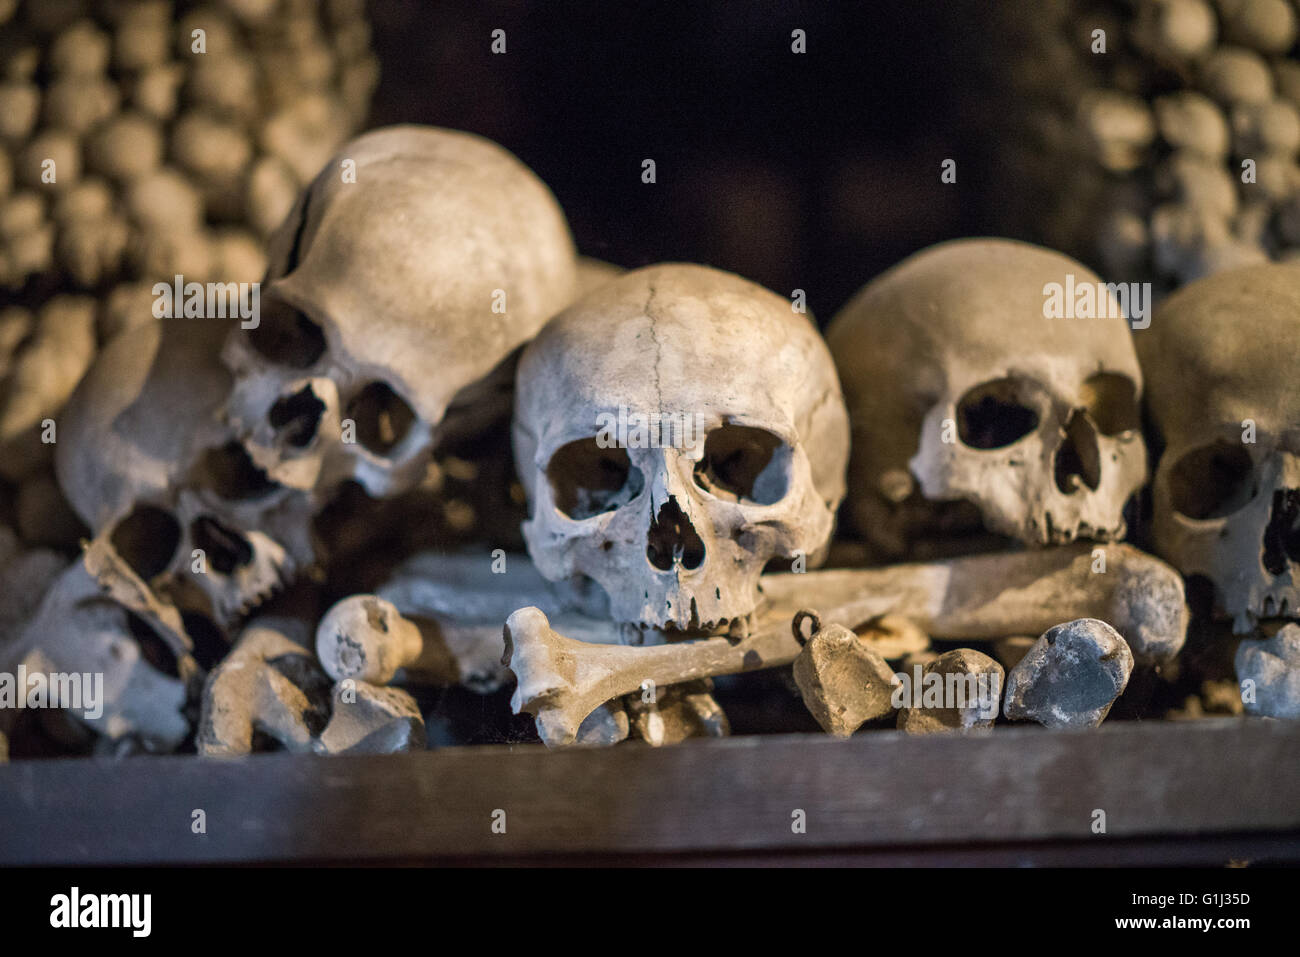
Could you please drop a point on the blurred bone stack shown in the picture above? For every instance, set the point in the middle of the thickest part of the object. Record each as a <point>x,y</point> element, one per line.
<point>141,139</point>
<point>1135,159</point>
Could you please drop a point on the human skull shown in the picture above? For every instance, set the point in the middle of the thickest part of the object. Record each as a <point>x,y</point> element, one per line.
<point>403,279</point>
<point>144,460</point>
<point>1220,360</point>
<point>676,524</point>
<point>957,382</point>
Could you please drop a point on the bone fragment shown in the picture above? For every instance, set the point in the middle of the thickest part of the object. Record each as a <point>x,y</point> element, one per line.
<point>671,715</point>
<point>250,691</point>
<point>605,726</point>
<point>1070,677</point>
<point>843,681</point>
<point>975,687</point>
<point>1273,668</point>
<point>369,719</point>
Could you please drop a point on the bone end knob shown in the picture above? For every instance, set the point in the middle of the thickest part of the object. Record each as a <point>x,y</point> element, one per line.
<point>365,638</point>
<point>548,685</point>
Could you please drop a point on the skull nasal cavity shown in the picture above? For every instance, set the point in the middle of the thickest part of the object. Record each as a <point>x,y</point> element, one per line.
<point>1282,534</point>
<point>225,548</point>
<point>297,417</point>
<point>673,538</point>
<point>1078,458</point>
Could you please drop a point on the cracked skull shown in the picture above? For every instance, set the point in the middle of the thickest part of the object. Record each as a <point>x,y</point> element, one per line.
<point>1220,360</point>
<point>381,335</point>
<point>675,431</point>
<point>965,398</point>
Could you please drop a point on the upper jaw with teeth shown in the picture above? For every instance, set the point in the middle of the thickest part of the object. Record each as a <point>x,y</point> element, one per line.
<point>646,633</point>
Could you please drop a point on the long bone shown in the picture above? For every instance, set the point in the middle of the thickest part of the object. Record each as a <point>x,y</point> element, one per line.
<point>985,597</point>
<point>439,618</point>
<point>561,680</point>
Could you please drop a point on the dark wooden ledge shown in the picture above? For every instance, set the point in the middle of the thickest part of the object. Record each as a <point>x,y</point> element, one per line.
<point>1172,792</point>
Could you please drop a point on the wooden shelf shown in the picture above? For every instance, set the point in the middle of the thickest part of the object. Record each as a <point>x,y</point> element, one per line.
<point>1172,792</point>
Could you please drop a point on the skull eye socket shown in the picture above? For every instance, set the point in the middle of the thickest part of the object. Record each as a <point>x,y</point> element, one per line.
<point>146,540</point>
<point>744,464</point>
<point>587,480</point>
<point>1111,402</point>
<point>287,337</point>
<point>995,414</point>
<point>1212,481</point>
<point>382,416</point>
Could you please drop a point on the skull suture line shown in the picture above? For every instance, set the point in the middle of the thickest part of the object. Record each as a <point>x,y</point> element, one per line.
<point>957,381</point>
<point>676,536</point>
<point>1220,360</point>
<point>393,300</point>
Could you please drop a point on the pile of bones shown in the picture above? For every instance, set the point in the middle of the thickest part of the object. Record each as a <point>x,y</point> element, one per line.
<point>462,484</point>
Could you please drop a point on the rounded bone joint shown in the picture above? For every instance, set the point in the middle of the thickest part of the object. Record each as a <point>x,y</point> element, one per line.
<point>365,638</point>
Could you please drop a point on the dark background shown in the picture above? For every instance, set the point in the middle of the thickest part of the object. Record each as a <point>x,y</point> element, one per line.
<point>812,171</point>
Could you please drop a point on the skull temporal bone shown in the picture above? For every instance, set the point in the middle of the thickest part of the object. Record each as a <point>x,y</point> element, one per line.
<point>380,308</point>
<point>677,535</point>
<point>1220,360</point>
<point>1047,444</point>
